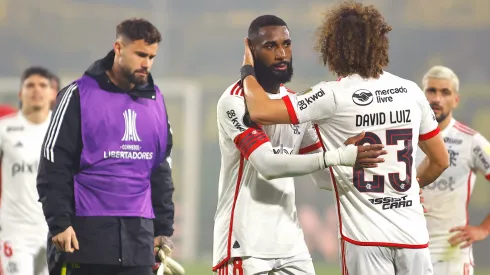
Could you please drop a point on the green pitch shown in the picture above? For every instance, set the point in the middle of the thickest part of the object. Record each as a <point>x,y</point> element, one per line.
<point>321,269</point>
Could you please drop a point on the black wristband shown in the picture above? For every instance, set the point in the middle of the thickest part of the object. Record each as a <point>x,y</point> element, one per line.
<point>247,70</point>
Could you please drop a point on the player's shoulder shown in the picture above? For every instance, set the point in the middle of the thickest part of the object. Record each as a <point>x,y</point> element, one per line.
<point>234,90</point>
<point>233,97</point>
<point>11,122</point>
<point>463,131</point>
<point>406,84</point>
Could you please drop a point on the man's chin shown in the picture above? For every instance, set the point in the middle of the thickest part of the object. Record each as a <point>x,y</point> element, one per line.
<point>282,76</point>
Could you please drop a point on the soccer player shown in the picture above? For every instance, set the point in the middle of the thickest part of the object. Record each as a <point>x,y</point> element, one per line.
<point>447,198</point>
<point>382,223</point>
<point>24,230</point>
<point>104,178</point>
<point>4,111</point>
<point>256,226</point>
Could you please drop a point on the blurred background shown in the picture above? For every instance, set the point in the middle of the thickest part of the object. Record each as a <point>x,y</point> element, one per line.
<point>200,56</point>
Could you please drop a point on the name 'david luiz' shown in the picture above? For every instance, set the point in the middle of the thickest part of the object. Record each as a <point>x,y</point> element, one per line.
<point>394,117</point>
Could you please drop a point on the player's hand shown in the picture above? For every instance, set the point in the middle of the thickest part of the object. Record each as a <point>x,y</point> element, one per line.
<point>161,241</point>
<point>467,235</point>
<point>248,58</point>
<point>367,155</point>
<point>66,241</point>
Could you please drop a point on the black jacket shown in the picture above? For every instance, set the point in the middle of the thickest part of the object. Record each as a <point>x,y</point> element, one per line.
<point>126,241</point>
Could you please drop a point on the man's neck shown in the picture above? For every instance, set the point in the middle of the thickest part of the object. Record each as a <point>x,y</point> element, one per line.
<point>36,117</point>
<point>443,124</point>
<point>117,77</point>
<point>269,87</point>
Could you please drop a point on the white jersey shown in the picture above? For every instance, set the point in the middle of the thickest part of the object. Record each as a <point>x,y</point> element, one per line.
<point>377,206</point>
<point>256,217</point>
<point>448,197</point>
<point>21,214</point>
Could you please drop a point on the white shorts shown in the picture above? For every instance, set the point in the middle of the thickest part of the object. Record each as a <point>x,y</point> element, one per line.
<point>22,258</point>
<point>380,260</point>
<point>298,265</point>
<point>453,268</point>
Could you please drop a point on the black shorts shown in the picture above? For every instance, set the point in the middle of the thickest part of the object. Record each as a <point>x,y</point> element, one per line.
<point>90,269</point>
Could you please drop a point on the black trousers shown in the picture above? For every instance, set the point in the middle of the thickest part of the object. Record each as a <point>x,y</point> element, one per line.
<point>90,269</point>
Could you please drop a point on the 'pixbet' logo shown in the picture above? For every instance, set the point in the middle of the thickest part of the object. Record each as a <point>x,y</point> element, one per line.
<point>130,132</point>
<point>362,97</point>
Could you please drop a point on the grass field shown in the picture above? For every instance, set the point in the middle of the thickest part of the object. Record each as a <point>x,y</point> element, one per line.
<point>203,268</point>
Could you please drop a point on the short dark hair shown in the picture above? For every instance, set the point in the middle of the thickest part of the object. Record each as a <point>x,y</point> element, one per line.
<point>264,21</point>
<point>35,70</point>
<point>137,29</point>
<point>56,79</point>
<point>353,40</point>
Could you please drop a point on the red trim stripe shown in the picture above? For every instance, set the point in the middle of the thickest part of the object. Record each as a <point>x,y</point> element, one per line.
<point>287,89</point>
<point>291,111</point>
<point>230,233</point>
<point>464,129</point>
<point>310,148</point>
<point>488,177</point>
<point>345,270</point>
<point>430,134</point>
<point>235,88</point>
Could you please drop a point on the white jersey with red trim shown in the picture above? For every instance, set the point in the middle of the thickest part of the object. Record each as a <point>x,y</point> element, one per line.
<point>448,197</point>
<point>377,206</point>
<point>21,214</point>
<point>256,217</point>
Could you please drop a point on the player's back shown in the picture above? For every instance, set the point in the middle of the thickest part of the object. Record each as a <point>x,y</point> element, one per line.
<point>20,145</point>
<point>378,206</point>
<point>255,216</point>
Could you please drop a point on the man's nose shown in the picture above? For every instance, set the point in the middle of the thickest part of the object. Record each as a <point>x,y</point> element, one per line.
<point>281,53</point>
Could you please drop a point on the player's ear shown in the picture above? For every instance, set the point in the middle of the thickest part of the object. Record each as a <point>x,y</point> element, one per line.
<point>117,47</point>
<point>456,100</point>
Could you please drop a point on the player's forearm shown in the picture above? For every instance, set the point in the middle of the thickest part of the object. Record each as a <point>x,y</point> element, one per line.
<point>486,224</point>
<point>428,171</point>
<point>162,190</point>
<point>55,189</point>
<point>261,108</point>
<point>272,166</point>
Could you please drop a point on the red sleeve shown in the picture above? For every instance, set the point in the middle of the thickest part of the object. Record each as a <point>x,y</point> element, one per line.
<point>311,148</point>
<point>250,140</point>
<point>430,134</point>
<point>290,108</point>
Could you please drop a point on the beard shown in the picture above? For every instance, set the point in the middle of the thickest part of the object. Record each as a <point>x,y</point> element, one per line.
<point>132,78</point>
<point>442,116</point>
<point>266,75</point>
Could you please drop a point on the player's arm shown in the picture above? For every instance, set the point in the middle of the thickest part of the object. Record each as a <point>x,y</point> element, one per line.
<point>315,104</point>
<point>432,144</point>
<point>162,189</point>
<point>311,144</point>
<point>60,160</point>
<point>255,146</point>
